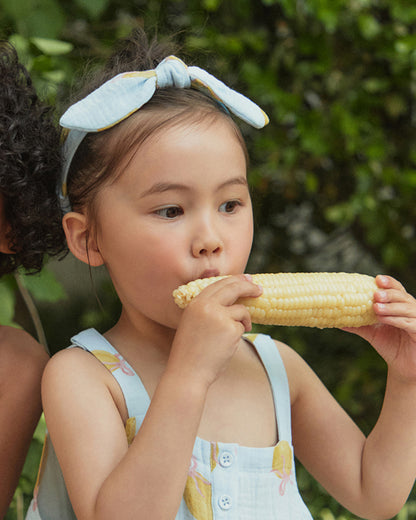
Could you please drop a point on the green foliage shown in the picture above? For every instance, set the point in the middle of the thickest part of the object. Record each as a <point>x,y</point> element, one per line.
<point>44,287</point>
<point>93,8</point>
<point>44,18</point>
<point>8,299</point>
<point>333,175</point>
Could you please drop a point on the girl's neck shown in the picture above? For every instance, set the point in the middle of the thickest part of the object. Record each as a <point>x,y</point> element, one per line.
<point>140,336</point>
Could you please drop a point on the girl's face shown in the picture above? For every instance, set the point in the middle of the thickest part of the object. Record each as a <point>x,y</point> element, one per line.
<point>180,210</point>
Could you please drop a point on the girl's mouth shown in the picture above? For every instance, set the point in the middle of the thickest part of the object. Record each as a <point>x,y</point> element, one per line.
<point>208,273</point>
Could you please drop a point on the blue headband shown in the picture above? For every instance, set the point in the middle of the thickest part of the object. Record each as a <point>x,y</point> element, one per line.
<point>124,94</point>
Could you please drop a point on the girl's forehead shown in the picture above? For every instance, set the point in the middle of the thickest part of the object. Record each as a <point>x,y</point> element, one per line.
<point>153,125</point>
<point>184,153</point>
<point>198,131</point>
<point>187,140</point>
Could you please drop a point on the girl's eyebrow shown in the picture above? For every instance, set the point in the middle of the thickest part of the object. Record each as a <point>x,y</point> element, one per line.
<point>161,187</point>
<point>242,180</point>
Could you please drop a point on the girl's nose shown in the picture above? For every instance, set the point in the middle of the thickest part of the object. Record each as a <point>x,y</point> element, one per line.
<point>207,244</point>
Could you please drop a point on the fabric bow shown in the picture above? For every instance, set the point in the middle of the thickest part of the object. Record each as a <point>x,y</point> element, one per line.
<point>124,94</point>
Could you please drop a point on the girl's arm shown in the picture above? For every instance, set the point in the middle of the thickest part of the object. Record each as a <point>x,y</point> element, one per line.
<point>22,360</point>
<point>105,479</point>
<point>372,477</point>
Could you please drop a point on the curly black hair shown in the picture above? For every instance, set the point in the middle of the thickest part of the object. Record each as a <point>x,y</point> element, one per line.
<point>30,163</point>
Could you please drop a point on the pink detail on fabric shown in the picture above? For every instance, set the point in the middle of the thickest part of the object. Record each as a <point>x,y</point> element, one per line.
<point>35,500</point>
<point>284,476</point>
<point>121,364</point>
<point>195,476</point>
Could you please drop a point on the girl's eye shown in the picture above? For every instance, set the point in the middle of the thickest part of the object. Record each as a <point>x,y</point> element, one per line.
<point>170,212</point>
<point>229,206</point>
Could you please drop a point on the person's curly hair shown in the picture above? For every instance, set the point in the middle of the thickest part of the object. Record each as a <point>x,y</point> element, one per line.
<point>30,163</point>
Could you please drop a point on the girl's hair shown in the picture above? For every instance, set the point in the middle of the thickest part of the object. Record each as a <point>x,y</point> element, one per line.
<point>30,164</point>
<point>101,156</point>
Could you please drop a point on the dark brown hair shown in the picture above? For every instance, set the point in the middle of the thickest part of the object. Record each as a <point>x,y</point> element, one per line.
<point>101,155</point>
<point>30,164</point>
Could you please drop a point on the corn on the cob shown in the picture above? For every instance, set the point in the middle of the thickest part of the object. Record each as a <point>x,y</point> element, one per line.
<point>302,299</point>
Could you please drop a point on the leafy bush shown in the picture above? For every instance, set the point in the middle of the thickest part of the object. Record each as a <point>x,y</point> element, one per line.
<point>333,175</point>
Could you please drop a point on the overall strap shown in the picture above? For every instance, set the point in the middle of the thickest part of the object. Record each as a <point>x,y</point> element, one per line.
<point>135,395</point>
<point>273,363</point>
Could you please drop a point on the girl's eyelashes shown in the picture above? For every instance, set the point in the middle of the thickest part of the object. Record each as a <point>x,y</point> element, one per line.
<point>229,206</point>
<point>169,212</point>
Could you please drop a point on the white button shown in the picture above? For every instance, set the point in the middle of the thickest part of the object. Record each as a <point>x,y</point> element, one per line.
<point>225,502</point>
<point>226,459</point>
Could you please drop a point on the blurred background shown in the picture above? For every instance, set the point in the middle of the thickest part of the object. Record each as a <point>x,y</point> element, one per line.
<point>333,176</point>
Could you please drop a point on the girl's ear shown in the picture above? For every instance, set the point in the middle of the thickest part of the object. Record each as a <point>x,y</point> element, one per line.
<point>80,242</point>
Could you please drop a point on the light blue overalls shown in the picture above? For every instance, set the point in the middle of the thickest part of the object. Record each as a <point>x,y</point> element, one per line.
<point>225,481</point>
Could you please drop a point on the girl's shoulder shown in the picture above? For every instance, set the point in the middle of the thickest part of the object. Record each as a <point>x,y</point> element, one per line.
<point>299,373</point>
<point>73,372</point>
<point>74,364</point>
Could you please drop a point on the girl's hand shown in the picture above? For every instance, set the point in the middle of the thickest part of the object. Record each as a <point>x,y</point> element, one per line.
<point>394,337</point>
<point>211,328</point>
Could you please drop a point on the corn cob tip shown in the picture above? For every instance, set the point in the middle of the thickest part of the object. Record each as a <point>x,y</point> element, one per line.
<point>184,294</point>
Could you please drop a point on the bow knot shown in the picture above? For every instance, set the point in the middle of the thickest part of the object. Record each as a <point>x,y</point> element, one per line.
<point>172,72</point>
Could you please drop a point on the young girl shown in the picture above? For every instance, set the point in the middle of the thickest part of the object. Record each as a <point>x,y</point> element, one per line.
<point>29,227</point>
<point>176,414</point>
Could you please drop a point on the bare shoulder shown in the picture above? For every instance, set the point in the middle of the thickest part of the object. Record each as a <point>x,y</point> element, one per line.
<point>70,366</point>
<point>298,372</point>
<point>68,378</point>
<point>289,355</point>
<point>20,354</point>
<point>18,344</point>
<point>73,373</point>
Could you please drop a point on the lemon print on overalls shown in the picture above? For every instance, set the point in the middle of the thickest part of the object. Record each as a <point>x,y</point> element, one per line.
<point>113,361</point>
<point>214,455</point>
<point>250,337</point>
<point>282,464</point>
<point>130,428</point>
<point>197,494</point>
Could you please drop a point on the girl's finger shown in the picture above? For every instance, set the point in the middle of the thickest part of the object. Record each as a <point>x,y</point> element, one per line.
<point>404,323</point>
<point>388,282</point>
<point>239,312</point>
<point>230,289</point>
<point>393,296</point>
<point>395,309</point>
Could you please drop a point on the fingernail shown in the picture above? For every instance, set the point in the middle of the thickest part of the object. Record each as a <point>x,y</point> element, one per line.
<point>248,277</point>
<point>382,295</point>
